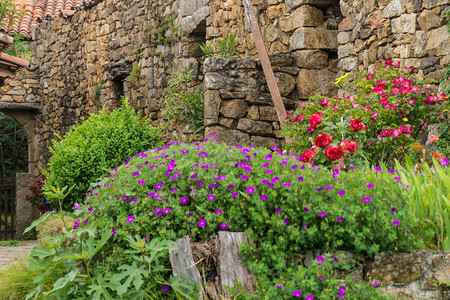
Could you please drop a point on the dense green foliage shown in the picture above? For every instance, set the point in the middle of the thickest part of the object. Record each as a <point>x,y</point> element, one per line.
<point>284,205</point>
<point>97,145</point>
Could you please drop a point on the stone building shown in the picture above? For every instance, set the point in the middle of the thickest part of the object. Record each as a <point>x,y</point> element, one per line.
<point>89,53</point>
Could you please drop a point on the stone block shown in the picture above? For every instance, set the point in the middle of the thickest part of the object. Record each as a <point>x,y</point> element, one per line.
<point>226,122</point>
<point>310,59</point>
<point>196,22</point>
<point>396,268</point>
<point>281,59</point>
<point>270,33</point>
<point>306,16</point>
<point>212,106</point>
<point>253,113</point>
<point>239,83</point>
<point>185,63</point>
<point>346,50</point>
<point>229,137</point>
<point>314,38</point>
<point>265,142</point>
<point>428,20</point>
<point>346,24</point>
<point>404,24</point>
<point>226,95</point>
<point>343,38</point>
<point>438,42</point>
<point>418,43</point>
<point>255,127</point>
<point>434,3</point>
<point>286,83</point>
<point>292,4</point>
<point>259,98</point>
<point>347,64</point>
<point>234,109</point>
<point>213,64</point>
<point>316,82</point>
<point>394,8</point>
<point>267,113</point>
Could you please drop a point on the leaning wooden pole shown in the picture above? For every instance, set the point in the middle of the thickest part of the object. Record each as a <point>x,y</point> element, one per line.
<point>265,62</point>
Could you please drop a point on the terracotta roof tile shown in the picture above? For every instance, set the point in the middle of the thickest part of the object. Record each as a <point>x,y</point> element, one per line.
<point>37,10</point>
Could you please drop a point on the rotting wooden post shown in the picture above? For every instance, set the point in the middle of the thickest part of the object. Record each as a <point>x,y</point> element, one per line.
<point>265,62</point>
<point>183,263</point>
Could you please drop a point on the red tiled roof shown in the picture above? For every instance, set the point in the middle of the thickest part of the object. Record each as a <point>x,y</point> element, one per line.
<point>34,11</point>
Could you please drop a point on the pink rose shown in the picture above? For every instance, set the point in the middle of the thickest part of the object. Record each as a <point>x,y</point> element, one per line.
<point>350,146</point>
<point>323,140</point>
<point>356,125</point>
<point>333,153</point>
<point>315,120</point>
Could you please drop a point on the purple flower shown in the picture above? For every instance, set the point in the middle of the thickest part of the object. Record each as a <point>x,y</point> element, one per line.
<point>341,295</point>
<point>320,259</point>
<point>133,201</point>
<point>86,221</point>
<point>271,185</point>
<point>113,232</point>
<point>300,178</point>
<point>341,192</point>
<point>340,219</point>
<point>151,194</point>
<point>351,168</point>
<point>275,179</point>
<point>393,209</point>
<point>366,199</point>
<point>265,181</point>
<point>125,198</point>
<point>250,190</point>
<point>234,194</point>
<point>157,210</point>
<point>76,206</point>
<point>263,197</point>
<point>130,219</point>
<point>218,178</point>
<point>278,210</point>
<point>265,165</point>
<point>212,186</point>
<point>297,293</point>
<point>279,286</point>
<point>320,277</point>
<point>247,169</point>
<point>159,186</point>
<point>194,176</point>
<point>329,187</point>
<point>135,174</point>
<point>408,231</point>
<point>342,289</point>
<point>378,169</point>
<point>203,154</point>
<point>391,171</point>
<point>370,185</point>
<point>224,226</point>
<point>204,167</point>
<point>395,222</point>
<point>153,167</point>
<point>319,190</point>
<point>306,208</point>
<point>244,177</point>
<point>184,200</point>
<point>174,190</point>
<point>199,183</point>
<point>210,197</point>
<point>285,221</point>
<point>141,182</point>
<point>165,288</point>
<point>230,187</point>
<point>322,214</point>
<point>375,283</point>
<point>175,176</point>
<point>287,184</point>
<point>269,171</point>
<point>166,211</point>
<point>268,157</point>
<point>202,223</point>
<point>294,167</point>
<point>309,297</point>
<point>304,227</point>
<point>397,179</point>
<point>158,197</point>
<point>218,211</point>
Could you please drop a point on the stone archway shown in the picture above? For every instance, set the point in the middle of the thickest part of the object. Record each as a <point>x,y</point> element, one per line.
<point>24,114</point>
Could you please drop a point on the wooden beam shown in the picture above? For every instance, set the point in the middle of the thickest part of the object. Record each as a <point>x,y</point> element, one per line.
<point>265,62</point>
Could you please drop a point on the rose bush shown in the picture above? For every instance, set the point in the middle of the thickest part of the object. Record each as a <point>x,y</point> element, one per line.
<point>381,109</point>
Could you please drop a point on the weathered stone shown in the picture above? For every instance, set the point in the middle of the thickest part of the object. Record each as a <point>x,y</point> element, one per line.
<point>281,59</point>
<point>396,268</point>
<point>234,109</point>
<point>316,82</point>
<point>428,20</point>
<point>226,95</point>
<point>443,275</point>
<point>404,24</point>
<point>346,24</point>
<point>211,106</point>
<point>239,83</point>
<point>254,127</point>
<point>179,64</point>
<point>314,38</point>
<point>347,64</point>
<point>310,59</point>
<point>343,38</point>
<point>375,20</point>
<point>434,3</point>
<point>346,50</point>
<point>253,113</point>
<point>307,16</point>
<point>394,9</point>
<point>229,137</point>
<point>259,98</point>
<point>226,122</point>
<point>438,42</point>
<point>291,4</point>
<point>214,64</point>
<point>265,142</point>
<point>286,83</point>
<point>419,44</point>
<point>270,33</point>
<point>267,113</point>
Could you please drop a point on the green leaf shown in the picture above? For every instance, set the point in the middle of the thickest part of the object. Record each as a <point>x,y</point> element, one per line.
<point>64,281</point>
<point>37,222</point>
<point>132,275</point>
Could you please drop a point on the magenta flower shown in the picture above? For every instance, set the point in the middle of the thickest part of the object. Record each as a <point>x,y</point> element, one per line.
<point>278,210</point>
<point>342,289</point>
<point>263,197</point>
<point>268,157</point>
<point>184,200</point>
<point>212,186</point>
<point>203,154</point>
<point>341,192</point>
<point>158,197</point>
<point>351,168</point>
<point>279,286</point>
<point>157,210</point>
<point>210,197</point>
<point>159,186</point>
<point>370,185</point>
<point>250,190</point>
<point>300,178</point>
<point>393,209</point>
<point>86,221</point>
<point>287,184</point>
<point>165,288</point>
<point>130,219</point>
<point>320,277</point>
<point>275,179</point>
<point>133,201</point>
<point>271,185</point>
<point>329,187</point>
<point>395,222</point>
<point>269,171</point>
<point>166,211</point>
<point>265,181</point>
<point>378,169</point>
<point>340,219</point>
<point>320,259</point>
<point>218,211</point>
<point>244,177</point>
<point>285,221</point>
<point>341,295</point>
<point>76,206</point>
<point>265,165</point>
<point>202,223</point>
<point>199,183</point>
<point>322,214</point>
<point>366,199</point>
<point>125,198</point>
<point>306,208</point>
<point>297,293</point>
<point>294,167</point>
<point>224,226</point>
<point>374,283</point>
<point>309,297</point>
<point>194,176</point>
<point>135,174</point>
<point>304,227</point>
<point>113,232</point>
<point>230,187</point>
<point>247,169</point>
<point>234,194</point>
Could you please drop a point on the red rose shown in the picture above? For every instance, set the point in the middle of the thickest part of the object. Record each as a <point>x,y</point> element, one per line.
<point>308,157</point>
<point>356,125</point>
<point>315,120</point>
<point>33,188</point>
<point>333,153</point>
<point>323,140</point>
<point>27,197</point>
<point>350,146</point>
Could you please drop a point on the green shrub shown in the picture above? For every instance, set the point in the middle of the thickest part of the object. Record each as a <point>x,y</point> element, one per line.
<point>97,145</point>
<point>284,205</point>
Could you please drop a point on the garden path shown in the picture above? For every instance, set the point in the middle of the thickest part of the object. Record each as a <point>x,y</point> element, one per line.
<point>8,254</point>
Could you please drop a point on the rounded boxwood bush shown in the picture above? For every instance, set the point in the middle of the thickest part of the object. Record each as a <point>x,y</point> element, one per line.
<point>284,205</point>
<point>95,146</point>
